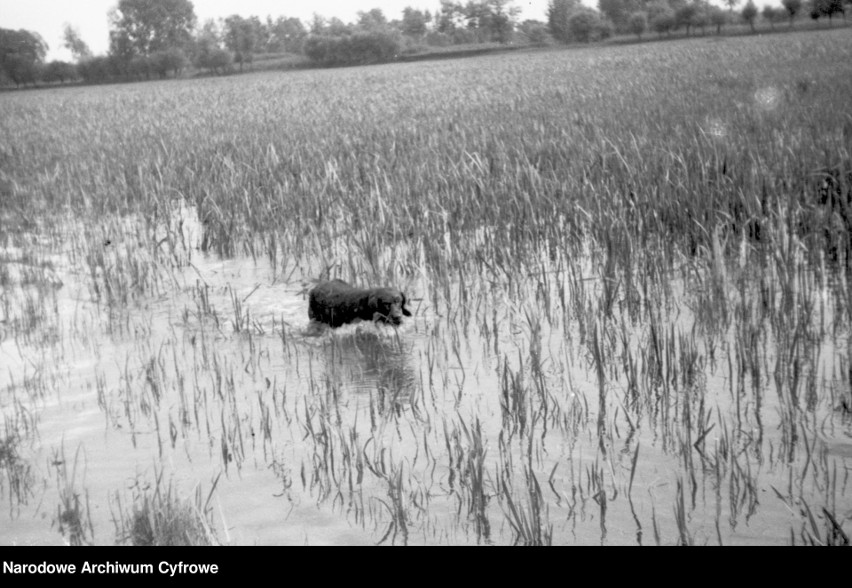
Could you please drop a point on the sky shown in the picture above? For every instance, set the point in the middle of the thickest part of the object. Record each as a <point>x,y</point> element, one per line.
<point>89,17</point>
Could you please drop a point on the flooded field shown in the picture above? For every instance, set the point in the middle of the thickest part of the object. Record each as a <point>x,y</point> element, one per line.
<point>628,270</point>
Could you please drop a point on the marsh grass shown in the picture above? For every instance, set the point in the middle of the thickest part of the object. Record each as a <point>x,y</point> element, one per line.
<point>73,513</point>
<point>605,248</point>
<point>17,475</point>
<point>159,516</point>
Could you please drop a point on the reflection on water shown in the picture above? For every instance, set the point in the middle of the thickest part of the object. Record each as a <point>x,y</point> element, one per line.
<point>369,358</point>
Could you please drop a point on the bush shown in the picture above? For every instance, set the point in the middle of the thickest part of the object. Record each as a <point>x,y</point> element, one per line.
<point>605,29</point>
<point>167,61</point>
<point>436,39</point>
<point>95,70</point>
<point>121,67</point>
<point>412,45</point>
<point>464,37</point>
<point>20,69</point>
<point>59,71</point>
<point>140,67</point>
<point>536,33</point>
<point>586,25</point>
<point>356,49</point>
<point>215,60</point>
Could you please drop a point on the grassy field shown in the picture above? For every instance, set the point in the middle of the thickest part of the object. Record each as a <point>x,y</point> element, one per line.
<point>629,268</point>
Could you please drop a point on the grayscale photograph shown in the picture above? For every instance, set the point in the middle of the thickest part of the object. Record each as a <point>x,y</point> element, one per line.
<point>423,273</point>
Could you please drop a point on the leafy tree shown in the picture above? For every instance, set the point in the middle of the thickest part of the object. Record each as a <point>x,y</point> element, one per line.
<point>287,34</point>
<point>75,44</point>
<point>94,70</point>
<point>826,8</point>
<point>142,27</point>
<point>834,7</point>
<point>605,30</point>
<point>318,24</point>
<point>21,55</point>
<point>770,14</point>
<point>702,17</point>
<point>718,18</point>
<point>815,10</point>
<point>535,31</point>
<point>558,14</point>
<point>414,22</point>
<point>586,25</point>
<point>372,20</point>
<point>208,38</point>
<point>337,28</point>
<point>168,61</point>
<point>685,15</point>
<point>792,7</point>
<point>21,70</point>
<point>732,4</point>
<point>294,34</point>
<point>749,13</point>
<point>212,29</point>
<point>138,67</point>
<point>449,17</point>
<point>663,21</point>
<point>242,36</point>
<point>615,10</point>
<point>619,12</point>
<point>638,23</point>
<point>657,7</point>
<point>490,20</point>
<point>476,14</point>
<point>25,44</point>
<point>215,59</point>
<point>502,18</point>
<point>121,53</point>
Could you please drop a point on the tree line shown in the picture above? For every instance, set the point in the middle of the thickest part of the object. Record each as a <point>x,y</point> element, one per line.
<point>667,16</point>
<point>151,39</point>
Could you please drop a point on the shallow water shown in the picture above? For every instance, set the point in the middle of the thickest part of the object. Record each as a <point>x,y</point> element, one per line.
<point>487,403</point>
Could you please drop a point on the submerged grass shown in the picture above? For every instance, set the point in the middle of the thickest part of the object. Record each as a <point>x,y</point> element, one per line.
<point>159,517</point>
<point>17,476</point>
<point>604,248</point>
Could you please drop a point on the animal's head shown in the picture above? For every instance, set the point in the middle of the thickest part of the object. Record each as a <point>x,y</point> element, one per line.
<point>387,305</point>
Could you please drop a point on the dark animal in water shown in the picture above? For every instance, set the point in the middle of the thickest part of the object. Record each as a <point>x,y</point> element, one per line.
<point>336,303</point>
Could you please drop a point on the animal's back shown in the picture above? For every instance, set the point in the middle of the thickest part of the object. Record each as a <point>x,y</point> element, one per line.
<point>331,302</point>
